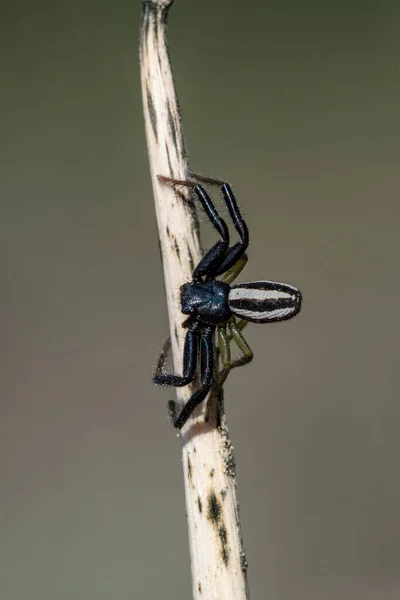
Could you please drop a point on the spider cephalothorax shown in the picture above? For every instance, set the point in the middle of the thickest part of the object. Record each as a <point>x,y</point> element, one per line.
<point>212,304</point>
<point>207,300</point>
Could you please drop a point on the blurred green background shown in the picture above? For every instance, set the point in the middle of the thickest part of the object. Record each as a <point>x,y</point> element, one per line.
<point>297,105</point>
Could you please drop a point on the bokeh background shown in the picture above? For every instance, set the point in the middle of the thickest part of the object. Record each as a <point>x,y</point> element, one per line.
<point>297,105</point>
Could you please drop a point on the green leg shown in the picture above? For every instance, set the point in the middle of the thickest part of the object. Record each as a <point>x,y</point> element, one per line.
<point>242,345</point>
<point>235,270</point>
<point>225,351</point>
<point>224,343</point>
<point>241,324</point>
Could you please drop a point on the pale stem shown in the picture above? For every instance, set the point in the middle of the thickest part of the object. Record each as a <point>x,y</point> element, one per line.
<point>217,558</point>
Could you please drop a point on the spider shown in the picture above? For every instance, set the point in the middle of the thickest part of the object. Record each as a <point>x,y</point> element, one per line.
<point>212,303</point>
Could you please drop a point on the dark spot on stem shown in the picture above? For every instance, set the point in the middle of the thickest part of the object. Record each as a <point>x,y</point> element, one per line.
<point>171,174</point>
<point>214,508</point>
<point>156,26</point>
<point>199,503</point>
<point>191,259</point>
<point>223,536</point>
<point>243,562</point>
<point>171,123</point>
<point>215,515</point>
<point>176,248</point>
<point>152,114</point>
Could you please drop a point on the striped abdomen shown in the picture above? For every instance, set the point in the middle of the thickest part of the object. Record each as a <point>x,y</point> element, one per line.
<point>264,301</point>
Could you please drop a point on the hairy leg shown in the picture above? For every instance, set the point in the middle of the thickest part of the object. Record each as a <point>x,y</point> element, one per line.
<point>189,360</point>
<point>206,377</point>
<point>235,252</point>
<point>211,262</point>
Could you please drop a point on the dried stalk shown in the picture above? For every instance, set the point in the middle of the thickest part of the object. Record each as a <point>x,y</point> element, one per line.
<point>217,558</point>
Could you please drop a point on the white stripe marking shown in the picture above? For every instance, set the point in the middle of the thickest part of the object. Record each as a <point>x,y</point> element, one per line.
<point>279,313</point>
<point>254,294</point>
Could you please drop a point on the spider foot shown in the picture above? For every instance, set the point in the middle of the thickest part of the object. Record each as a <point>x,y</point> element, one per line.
<point>176,182</point>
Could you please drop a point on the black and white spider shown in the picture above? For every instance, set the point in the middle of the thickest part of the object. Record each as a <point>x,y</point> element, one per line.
<point>211,303</point>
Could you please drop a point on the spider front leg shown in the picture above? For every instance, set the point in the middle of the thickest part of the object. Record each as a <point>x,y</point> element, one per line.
<point>206,377</point>
<point>235,252</point>
<point>211,262</point>
<point>224,340</point>
<point>189,360</point>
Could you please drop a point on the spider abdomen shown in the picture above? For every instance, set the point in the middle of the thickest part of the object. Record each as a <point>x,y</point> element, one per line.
<point>264,301</point>
<point>206,300</point>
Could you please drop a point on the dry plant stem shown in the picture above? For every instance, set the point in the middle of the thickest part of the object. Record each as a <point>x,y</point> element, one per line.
<point>217,558</point>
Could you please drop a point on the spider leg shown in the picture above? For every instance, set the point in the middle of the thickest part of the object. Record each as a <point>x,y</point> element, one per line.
<point>241,324</point>
<point>235,252</point>
<point>190,351</point>
<point>241,344</point>
<point>211,262</point>
<point>235,270</point>
<point>206,377</point>
<point>225,351</point>
<point>224,347</point>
